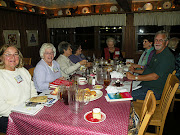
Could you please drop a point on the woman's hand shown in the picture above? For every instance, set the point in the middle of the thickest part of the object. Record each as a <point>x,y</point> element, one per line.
<point>61,78</point>
<point>83,62</point>
<point>130,76</point>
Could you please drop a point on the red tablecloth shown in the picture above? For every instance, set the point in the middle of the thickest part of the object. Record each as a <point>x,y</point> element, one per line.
<point>58,119</point>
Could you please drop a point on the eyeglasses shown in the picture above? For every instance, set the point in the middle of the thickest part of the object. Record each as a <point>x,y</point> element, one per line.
<point>10,55</point>
<point>160,40</point>
<point>52,53</point>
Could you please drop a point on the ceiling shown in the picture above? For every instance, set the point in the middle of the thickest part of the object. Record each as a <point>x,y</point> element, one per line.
<point>56,4</point>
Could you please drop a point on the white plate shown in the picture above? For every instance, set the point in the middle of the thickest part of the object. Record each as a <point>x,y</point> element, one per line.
<point>91,120</point>
<point>98,87</point>
<point>98,95</point>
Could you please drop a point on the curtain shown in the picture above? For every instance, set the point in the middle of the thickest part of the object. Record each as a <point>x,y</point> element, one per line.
<point>86,21</point>
<point>157,18</point>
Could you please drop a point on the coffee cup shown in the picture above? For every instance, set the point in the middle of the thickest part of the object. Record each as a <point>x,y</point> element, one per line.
<point>82,81</point>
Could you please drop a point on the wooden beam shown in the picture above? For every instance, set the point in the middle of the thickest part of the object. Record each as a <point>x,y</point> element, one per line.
<point>125,5</point>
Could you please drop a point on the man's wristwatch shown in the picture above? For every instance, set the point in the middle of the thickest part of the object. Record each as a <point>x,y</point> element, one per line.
<point>136,78</point>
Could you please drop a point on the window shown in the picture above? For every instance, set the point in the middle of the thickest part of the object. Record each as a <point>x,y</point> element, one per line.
<point>142,32</point>
<point>111,31</point>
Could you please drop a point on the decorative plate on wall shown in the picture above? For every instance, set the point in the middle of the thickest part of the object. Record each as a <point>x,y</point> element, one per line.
<point>60,12</point>
<point>167,5</point>
<point>148,6</point>
<point>68,12</point>
<point>85,10</point>
<point>33,10</point>
<point>113,9</point>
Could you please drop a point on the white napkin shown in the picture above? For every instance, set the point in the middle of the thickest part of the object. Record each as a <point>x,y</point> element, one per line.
<point>135,85</point>
<point>115,74</point>
<point>113,89</point>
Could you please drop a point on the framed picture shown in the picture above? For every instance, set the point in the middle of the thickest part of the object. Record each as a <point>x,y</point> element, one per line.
<point>32,37</point>
<point>12,37</point>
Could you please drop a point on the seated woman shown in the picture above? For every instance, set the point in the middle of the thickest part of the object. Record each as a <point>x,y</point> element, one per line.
<point>47,69</point>
<point>146,55</point>
<point>16,86</point>
<point>77,55</point>
<point>67,67</point>
<point>174,46</point>
<point>111,52</point>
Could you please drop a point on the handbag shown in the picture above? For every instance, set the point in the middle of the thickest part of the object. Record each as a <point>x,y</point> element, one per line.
<point>134,121</point>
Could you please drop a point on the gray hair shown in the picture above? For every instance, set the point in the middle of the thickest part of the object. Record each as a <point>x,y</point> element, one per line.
<point>46,46</point>
<point>173,42</point>
<point>163,32</point>
<point>63,46</point>
<point>110,39</point>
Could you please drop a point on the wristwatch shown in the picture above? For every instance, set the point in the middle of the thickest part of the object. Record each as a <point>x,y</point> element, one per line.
<point>136,78</point>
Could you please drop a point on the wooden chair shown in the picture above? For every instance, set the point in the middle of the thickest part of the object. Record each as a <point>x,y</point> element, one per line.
<point>147,111</point>
<point>27,61</point>
<point>159,117</point>
<point>31,71</point>
<point>174,98</point>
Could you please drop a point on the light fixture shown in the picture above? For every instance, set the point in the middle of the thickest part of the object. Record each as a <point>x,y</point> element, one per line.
<point>3,3</point>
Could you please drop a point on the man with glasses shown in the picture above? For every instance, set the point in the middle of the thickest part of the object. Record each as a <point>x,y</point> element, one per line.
<point>156,73</point>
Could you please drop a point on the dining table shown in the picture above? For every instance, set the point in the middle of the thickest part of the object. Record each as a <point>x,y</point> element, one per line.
<point>60,120</point>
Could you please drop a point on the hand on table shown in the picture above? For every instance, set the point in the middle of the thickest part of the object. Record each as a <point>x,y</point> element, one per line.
<point>130,76</point>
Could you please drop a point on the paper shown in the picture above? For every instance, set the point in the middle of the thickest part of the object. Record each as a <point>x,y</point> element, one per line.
<point>27,110</point>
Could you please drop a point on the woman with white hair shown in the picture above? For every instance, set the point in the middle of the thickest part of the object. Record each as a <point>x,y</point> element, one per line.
<point>47,69</point>
<point>111,52</point>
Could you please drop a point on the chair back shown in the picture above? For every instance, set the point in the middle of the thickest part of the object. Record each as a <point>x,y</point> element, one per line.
<point>147,111</point>
<point>27,61</point>
<point>31,71</point>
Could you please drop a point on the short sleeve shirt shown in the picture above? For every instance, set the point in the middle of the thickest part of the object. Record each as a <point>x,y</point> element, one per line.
<point>162,64</point>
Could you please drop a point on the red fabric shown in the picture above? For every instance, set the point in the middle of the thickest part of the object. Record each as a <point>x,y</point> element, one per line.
<point>107,54</point>
<point>58,119</point>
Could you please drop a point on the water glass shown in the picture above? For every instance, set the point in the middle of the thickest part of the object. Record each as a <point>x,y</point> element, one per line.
<point>107,79</point>
<point>75,99</point>
<point>86,97</point>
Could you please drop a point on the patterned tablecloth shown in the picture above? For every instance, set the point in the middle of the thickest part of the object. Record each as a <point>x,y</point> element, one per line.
<point>58,119</point>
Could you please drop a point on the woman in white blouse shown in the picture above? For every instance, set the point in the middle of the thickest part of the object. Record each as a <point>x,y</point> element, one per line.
<point>16,85</point>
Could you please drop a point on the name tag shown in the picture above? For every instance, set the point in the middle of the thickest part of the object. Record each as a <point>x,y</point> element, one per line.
<point>55,70</point>
<point>117,53</point>
<point>18,79</point>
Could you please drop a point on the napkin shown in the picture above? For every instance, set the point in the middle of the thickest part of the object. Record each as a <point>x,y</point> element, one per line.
<point>136,85</point>
<point>116,74</point>
<point>113,89</point>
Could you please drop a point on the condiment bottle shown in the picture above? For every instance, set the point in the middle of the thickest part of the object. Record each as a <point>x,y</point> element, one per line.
<point>96,113</point>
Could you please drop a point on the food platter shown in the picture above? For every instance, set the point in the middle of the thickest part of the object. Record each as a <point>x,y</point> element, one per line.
<point>97,87</point>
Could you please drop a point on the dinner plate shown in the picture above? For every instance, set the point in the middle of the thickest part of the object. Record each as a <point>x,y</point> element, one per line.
<point>89,118</point>
<point>97,87</point>
<point>98,95</point>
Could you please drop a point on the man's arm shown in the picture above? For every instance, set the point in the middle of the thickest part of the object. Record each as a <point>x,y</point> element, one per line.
<point>148,77</point>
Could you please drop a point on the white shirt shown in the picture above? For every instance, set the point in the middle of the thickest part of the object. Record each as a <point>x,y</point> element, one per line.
<point>16,87</point>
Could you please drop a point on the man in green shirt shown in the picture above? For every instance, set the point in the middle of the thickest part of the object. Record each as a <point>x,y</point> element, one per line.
<point>156,73</point>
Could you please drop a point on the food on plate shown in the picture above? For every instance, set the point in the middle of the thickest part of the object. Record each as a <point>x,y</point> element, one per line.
<point>89,92</point>
<point>98,86</point>
<point>118,83</point>
<point>96,113</point>
<point>54,92</point>
<point>39,99</point>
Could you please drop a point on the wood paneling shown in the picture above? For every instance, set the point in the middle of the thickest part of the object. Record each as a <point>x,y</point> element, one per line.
<point>22,21</point>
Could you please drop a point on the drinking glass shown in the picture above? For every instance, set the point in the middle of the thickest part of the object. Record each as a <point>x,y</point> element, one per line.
<point>75,99</point>
<point>86,97</point>
<point>107,79</point>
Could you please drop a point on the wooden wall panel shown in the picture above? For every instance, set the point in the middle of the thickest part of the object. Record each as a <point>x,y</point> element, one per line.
<point>22,21</point>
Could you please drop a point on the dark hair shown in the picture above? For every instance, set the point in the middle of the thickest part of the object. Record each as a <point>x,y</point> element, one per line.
<point>75,48</point>
<point>63,46</point>
<point>149,38</point>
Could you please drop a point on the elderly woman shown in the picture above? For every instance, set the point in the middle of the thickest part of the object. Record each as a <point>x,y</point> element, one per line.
<point>47,69</point>
<point>67,66</point>
<point>77,55</point>
<point>111,52</point>
<point>16,86</point>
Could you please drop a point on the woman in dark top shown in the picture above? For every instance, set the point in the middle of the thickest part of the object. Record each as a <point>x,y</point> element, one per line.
<point>111,52</point>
